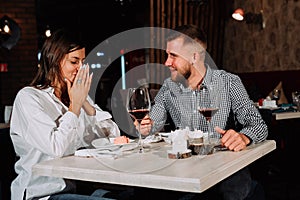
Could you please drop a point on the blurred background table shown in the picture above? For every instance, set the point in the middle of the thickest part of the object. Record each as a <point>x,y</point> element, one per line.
<point>286,115</point>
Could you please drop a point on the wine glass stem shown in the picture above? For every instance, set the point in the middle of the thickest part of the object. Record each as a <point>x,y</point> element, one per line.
<point>211,139</point>
<point>140,142</point>
<point>209,132</point>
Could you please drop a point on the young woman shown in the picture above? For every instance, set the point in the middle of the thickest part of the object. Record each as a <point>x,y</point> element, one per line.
<point>53,117</point>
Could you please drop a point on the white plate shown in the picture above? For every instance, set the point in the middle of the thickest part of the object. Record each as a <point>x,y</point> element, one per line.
<point>152,139</point>
<point>163,134</point>
<point>103,143</point>
<point>268,107</point>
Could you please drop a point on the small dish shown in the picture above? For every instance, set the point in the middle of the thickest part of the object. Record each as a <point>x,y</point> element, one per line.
<point>152,139</point>
<point>113,139</point>
<point>104,143</point>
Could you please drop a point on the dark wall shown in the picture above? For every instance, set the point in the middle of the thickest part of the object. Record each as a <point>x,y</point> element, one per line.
<point>249,48</point>
<point>22,58</point>
<point>246,47</point>
<point>260,84</point>
<point>97,20</point>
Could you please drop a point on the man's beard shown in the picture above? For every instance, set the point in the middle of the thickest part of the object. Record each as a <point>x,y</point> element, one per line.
<point>181,78</point>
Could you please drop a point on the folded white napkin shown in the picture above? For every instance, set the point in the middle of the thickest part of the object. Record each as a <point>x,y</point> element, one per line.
<point>179,140</point>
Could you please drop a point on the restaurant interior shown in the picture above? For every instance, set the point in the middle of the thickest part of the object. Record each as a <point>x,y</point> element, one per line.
<point>263,49</point>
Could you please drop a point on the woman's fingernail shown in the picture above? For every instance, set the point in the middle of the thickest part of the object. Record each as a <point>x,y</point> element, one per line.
<point>92,74</point>
<point>83,66</point>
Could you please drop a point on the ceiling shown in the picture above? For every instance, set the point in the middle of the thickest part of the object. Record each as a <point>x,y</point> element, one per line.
<point>98,19</point>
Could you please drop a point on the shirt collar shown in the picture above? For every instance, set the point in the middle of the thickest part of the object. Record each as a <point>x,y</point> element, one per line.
<point>49,90</point>
<point>208,76</point>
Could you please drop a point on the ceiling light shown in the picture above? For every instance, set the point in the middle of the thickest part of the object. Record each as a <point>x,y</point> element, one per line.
<point>249,17</point>
<point>48,31</point>
<point>238,14</point>
<point>9,32</point>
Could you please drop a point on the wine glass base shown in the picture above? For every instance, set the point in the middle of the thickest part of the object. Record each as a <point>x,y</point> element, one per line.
<point>206,149</point>
<point>141,150</point>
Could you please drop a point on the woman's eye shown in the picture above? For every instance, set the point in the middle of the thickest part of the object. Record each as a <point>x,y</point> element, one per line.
<point>74,62</point>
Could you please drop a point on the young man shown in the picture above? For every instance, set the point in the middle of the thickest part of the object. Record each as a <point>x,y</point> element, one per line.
<point>237,122</point>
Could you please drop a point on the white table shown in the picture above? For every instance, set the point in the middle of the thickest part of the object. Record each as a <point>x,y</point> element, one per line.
<point>155,170</point>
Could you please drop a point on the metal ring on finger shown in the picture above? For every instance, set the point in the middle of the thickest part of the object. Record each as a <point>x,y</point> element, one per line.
<point>79,81</point>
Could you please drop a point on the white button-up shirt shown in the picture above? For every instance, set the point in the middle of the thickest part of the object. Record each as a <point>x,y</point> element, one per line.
<point>41,129</point>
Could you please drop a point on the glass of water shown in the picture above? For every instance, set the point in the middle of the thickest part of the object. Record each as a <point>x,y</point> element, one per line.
<point>296,99</point>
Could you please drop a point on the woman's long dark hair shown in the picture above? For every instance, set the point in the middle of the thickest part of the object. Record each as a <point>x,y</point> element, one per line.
<point>60,43</point>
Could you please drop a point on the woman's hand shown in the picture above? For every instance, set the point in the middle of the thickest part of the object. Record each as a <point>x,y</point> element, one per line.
<point>233,140</point>
<point>79,90</point>
<point>88,108</point>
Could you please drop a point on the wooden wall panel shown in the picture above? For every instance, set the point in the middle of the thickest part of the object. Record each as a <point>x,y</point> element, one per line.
<point>210,15</point>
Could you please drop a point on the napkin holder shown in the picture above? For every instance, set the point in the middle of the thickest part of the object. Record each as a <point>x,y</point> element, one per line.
<point>179,145</point>
<point>180,155</point>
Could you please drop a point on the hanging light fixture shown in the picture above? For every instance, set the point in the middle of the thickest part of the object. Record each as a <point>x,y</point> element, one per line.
<point>48,31</point>
<point>6,28</point>
<point>249,17</point>
<point>9,32</point>
<point>5,32</point>
<point>238,14</point>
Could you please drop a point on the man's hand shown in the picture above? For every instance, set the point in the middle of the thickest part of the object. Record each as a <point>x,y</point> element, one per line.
<point>146,125</point>
<point>233,140</point>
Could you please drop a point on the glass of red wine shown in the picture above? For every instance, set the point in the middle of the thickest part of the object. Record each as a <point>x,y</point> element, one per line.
<point>209,106</point>
<point>138,105</point>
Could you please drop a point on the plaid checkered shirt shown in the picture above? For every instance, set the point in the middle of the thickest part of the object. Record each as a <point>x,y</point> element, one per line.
<point>236,110</point>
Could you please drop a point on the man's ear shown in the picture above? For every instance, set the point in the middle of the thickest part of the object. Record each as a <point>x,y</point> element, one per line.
<point>194,57</point>
<point>199,56</point>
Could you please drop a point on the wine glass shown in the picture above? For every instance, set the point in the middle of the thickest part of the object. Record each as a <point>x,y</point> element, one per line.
<point>138,105</point>
<point>276,95</point>
<point>296,99</point>
<point>209,105</point>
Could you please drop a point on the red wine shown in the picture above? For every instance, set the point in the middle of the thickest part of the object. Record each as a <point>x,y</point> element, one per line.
<point>208,112</point>
<point>138,114</point>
